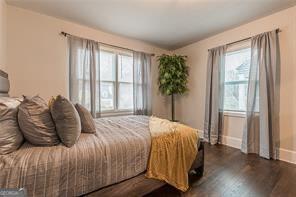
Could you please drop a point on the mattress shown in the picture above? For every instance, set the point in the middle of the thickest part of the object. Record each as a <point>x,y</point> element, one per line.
<point>119,150</point>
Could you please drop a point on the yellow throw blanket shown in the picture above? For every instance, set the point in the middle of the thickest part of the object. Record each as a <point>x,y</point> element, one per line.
<point>173,150</point>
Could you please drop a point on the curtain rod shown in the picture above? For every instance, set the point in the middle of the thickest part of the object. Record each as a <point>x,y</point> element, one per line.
<point>67,34</point>
<point>244,39</point>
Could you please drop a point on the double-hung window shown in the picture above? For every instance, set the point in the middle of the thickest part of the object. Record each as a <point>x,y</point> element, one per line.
<point>237,66</point>
<point>116,81</point>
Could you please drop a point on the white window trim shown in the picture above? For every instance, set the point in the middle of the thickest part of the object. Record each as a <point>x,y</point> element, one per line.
<point>239,46</point>
<point>241,114</point>
<point>116,113</point>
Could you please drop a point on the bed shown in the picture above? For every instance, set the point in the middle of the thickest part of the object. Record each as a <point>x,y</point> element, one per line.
<point>111,162</point>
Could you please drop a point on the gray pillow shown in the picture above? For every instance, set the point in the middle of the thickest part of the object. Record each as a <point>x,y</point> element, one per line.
<point>87,122</point>
<point>66,119</point>
<point>36,122</point>
<point>11,137</point>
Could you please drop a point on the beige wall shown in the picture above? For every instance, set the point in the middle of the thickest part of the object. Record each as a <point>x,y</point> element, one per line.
<point>37,63</point>
<point>191,107</point>
<point>37,54</point>
<point>3,33</point>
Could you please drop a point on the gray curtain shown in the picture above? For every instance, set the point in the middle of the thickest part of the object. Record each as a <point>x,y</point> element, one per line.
<point>215,95</point>
<point>261,131</point>
<point>142,83</point>
<point>84,73</point>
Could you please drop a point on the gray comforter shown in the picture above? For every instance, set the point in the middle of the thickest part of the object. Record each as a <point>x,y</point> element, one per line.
<point>119,150</point>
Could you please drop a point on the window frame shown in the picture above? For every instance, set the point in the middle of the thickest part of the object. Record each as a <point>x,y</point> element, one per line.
<point>116,111</point>
<point>231,49</point>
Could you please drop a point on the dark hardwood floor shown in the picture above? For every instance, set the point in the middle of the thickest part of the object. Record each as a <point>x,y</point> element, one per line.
<point>228,172</point>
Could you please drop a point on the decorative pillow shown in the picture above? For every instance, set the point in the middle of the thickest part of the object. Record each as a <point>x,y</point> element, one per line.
<point>36,122</point>
<point>11,137</point>
<point>66,119</point>
<point>87,122</point>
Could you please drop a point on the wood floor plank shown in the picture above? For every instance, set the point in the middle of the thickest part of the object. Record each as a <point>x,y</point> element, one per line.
<point>228,172</point>
<point>136,186</point>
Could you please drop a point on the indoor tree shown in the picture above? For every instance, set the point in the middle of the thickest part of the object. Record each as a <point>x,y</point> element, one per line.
<point>173,77</point>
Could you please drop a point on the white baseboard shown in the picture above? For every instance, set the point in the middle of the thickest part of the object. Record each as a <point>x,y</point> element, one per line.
<point>231,141</point>
<point>284,154</point>
<point>287,155</point>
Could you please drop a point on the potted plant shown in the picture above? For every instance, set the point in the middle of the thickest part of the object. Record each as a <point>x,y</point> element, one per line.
<point>173,77</point>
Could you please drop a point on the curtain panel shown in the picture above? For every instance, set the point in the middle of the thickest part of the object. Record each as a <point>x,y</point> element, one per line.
<point>215,95</point>
<point>84,73</point>
<point>261,133</point>
<point>142,84</point>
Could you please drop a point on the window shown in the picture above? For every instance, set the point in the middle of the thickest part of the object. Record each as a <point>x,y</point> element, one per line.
<point>125,82</point>
<point>116,75</point>
<point>108,80</point>
<point>237,66</point>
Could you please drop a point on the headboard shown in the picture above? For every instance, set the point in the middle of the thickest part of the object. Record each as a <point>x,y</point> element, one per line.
<point>4,84</point>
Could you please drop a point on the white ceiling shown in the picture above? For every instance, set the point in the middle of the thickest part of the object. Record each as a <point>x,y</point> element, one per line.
<point>168,24</point>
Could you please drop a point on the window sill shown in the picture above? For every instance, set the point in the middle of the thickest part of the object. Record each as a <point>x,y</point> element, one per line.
<point>116,113</point>
<point>239,114</point>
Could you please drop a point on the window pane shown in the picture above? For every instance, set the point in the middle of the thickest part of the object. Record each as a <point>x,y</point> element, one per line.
<point>235,97</point>
<point>125,68</point>
<point>126,96</point>
<point>237,66</point>
<point>107,65</point>
<point>107,96</point>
